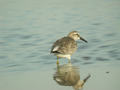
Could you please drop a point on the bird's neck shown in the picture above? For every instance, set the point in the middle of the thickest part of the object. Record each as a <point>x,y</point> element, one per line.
<point>73,38</point>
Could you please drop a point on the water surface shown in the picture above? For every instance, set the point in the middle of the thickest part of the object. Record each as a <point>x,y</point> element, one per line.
<point>29,27</point>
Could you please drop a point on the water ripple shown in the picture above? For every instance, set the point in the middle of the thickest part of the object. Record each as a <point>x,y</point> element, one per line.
<point>102,59</point>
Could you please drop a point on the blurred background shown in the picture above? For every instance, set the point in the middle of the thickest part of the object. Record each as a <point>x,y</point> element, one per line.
<point>28,28</point>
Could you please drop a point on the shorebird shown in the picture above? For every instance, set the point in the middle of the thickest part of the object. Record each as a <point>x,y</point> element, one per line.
<point>66,46</point>
<point>68,75</point>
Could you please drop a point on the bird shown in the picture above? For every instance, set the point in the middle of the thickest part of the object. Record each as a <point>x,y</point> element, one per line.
<point>68,75</point>
<point>66,46</point>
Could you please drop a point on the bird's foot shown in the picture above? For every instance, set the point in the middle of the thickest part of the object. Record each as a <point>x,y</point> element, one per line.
<point>57,62</point>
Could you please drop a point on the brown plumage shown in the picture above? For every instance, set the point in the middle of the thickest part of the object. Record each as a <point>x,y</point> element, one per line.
<point>66,46</point>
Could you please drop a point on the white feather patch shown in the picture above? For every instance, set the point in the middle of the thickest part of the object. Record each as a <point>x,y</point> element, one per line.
<point>55,48</point>
<point>58,79</point>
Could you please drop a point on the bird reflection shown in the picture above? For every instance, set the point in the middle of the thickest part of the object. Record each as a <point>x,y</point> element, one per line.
<point>68,75</point>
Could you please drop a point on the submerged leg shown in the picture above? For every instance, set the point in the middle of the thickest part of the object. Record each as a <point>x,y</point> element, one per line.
<point>57,61</point>
<point>69,60</point>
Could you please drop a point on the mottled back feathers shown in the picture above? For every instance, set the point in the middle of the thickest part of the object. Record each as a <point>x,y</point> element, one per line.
<point>65,45</point>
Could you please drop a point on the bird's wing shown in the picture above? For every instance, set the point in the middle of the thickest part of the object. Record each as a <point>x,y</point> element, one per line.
<point>56,46</point>
<point>63,45</point>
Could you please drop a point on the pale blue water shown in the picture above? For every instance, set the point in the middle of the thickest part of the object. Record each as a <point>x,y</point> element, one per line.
<point>29,27</point>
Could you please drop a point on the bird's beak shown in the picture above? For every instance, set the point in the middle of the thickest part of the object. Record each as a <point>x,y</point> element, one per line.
<point>83,39</point>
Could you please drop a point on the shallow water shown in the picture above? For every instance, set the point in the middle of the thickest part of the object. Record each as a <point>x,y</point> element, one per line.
<point>28,28</point>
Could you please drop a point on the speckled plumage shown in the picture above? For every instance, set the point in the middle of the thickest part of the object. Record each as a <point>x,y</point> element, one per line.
<point>66,45</point>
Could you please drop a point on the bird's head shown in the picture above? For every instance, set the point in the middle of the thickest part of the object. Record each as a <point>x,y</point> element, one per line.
<point>76,36</point>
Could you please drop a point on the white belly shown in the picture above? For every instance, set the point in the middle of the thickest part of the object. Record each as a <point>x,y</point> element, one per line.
<point>63,56</point>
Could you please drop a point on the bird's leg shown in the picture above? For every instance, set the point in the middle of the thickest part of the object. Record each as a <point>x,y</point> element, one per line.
<point>69,60</point>
<point>57,61</point>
